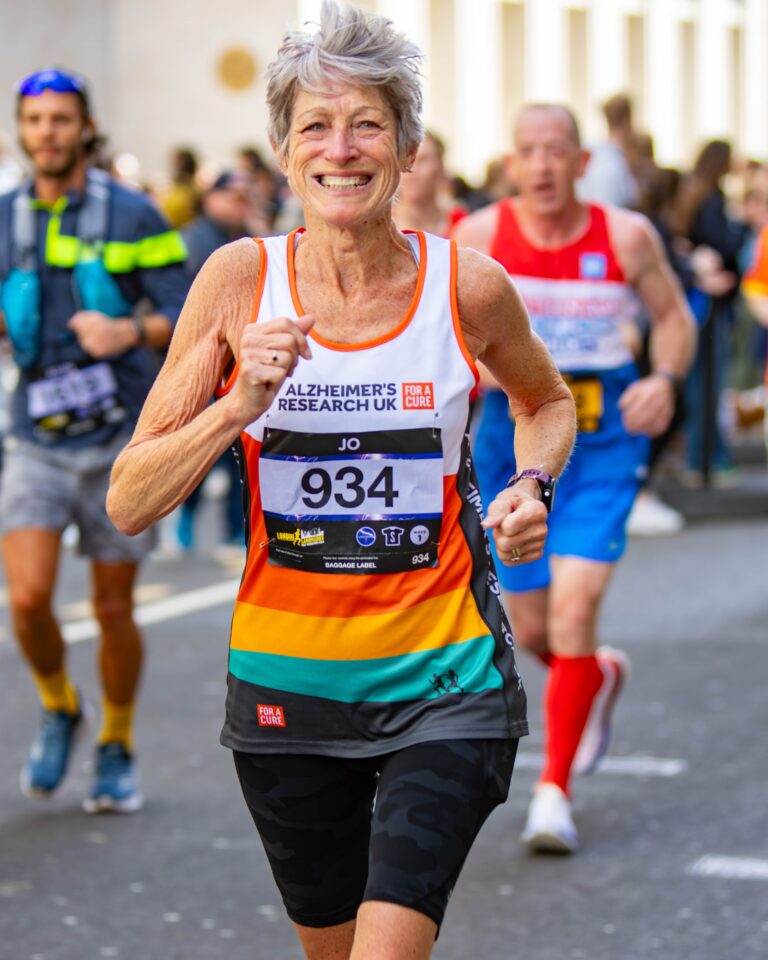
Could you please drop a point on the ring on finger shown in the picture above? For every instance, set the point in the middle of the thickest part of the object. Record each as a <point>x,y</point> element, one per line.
<point>515,552</point>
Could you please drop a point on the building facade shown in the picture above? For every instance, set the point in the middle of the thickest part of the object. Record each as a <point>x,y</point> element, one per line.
<point>191,71</point>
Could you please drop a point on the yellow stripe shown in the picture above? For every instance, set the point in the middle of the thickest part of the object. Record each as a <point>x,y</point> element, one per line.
<point>450,618</point>
<point>755,287</point>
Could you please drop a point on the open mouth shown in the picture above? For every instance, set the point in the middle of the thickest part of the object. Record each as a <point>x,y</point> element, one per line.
<point>355,182</point>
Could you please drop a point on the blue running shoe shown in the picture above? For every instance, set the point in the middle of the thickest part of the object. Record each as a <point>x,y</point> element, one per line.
<point>51,751</point>
<point>116,785</point>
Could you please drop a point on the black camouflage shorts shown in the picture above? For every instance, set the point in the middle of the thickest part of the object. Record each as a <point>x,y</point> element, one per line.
<point>397,827</point>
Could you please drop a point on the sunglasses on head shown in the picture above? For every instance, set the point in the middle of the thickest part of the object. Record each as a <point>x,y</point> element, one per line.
<point>51,79</point>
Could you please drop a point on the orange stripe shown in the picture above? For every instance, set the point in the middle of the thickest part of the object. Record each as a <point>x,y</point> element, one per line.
<point>455,315</point>
<point>339,595</point>
<point>366,344</point>
<point>432,624</point>
<point>226,387</point>
<point>292,269</point>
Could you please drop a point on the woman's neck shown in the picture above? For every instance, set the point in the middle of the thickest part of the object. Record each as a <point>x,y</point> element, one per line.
<point>346,259</point>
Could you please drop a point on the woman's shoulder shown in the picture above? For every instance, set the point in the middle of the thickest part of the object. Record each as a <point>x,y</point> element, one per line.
<point>238,259</point>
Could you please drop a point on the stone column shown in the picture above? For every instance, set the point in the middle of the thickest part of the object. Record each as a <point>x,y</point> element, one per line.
<point>479,131</point>
<point>663,99</point>
<point>754,133</point>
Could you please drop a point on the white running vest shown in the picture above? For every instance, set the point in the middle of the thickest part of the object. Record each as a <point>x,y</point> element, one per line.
<point>356,444</point>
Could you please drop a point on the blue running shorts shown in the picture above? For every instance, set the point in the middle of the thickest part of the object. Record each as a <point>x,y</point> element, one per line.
<point>594,495</point>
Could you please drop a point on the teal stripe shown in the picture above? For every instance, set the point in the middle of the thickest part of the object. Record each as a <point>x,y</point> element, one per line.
<point>384,680</point>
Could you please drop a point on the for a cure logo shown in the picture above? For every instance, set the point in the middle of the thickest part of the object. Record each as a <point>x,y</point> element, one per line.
<point>418,396</point>
<point>270,715</point>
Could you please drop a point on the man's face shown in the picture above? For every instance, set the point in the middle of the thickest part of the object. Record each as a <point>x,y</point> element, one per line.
<point>547,161</point>
<point>52,130</point>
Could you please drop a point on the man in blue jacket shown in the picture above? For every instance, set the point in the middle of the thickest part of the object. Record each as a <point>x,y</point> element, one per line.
<point>91,284</point>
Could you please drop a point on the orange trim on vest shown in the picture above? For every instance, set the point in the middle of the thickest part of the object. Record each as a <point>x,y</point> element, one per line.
<point>455,315</point>
<point>367,344</point>
<point>262,279</point>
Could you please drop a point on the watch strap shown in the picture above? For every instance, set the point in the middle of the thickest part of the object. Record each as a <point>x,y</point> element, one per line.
<point>545,481</point>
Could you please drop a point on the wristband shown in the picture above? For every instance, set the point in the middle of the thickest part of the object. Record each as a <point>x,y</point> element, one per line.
<point>141,330</point>
<point>677,382</point>
<point>545,481</point>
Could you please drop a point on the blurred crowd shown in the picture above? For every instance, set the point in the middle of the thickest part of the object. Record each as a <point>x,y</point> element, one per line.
<point>708,219</point>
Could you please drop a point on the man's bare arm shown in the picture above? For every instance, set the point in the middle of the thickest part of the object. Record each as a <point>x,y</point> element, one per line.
<point>478,229</point>
<point>648,404</point>
<point>103,336</point>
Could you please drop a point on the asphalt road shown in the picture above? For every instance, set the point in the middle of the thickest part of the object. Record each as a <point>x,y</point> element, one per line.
<point>675,839</point>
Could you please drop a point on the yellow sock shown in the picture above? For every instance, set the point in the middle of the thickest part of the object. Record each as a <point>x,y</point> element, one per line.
<point>56,692</point>
<point>117,726</point>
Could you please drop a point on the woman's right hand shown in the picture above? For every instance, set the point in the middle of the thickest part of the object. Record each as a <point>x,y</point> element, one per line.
<point>268,354</point>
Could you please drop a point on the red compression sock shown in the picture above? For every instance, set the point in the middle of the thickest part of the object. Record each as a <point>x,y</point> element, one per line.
<point>572,684</point>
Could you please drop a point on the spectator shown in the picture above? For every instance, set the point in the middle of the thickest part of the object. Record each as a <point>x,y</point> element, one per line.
<point>608,177</point>
<point>181,201</point>
<point>700,218</point>
<point>424,199</point>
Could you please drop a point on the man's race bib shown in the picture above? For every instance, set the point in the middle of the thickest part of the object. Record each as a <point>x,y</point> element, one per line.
<point>588,396</point>
<point>68,401</point>
<point>352,502</point>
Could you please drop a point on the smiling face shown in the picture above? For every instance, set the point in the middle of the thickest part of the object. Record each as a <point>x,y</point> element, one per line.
<point>342,160</point>
<point>547,161</point>
<point>51,129</point>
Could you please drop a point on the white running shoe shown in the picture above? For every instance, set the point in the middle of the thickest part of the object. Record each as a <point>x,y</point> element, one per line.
<point>549,828</point>
<point>651,517</point>
<point>596,737</point>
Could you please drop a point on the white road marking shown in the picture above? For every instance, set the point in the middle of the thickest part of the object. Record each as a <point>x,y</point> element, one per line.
<point>730,868</point>
<point>177,606</point>
<point>637,766</point>
<point>144,593</point>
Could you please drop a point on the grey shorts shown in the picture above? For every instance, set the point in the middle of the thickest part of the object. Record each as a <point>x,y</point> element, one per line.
<point>51,488</point>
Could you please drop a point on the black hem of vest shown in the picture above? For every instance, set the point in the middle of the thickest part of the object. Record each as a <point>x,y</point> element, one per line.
<point>513,731</point>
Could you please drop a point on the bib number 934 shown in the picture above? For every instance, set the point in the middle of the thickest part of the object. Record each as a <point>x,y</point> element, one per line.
<point>347,487</point>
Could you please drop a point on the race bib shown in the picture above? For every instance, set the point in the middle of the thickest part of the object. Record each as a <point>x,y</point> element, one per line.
<point>352,502</point>
<point>70,400</point>
<point>588,396</point>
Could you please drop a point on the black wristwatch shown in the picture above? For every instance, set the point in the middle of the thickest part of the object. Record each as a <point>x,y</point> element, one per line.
<point>545,481</point>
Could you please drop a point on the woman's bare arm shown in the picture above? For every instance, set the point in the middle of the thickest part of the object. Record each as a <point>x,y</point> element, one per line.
<point>498,333</point>
<point>180,435</point>
<point>497,330</point>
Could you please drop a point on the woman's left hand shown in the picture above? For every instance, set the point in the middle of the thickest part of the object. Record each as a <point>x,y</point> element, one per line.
<point>519,525</point>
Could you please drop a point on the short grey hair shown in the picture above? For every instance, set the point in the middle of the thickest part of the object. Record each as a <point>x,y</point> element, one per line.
<point>354,48</point>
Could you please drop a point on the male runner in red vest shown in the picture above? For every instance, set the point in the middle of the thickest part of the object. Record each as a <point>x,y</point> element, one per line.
<point>581,270</point>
